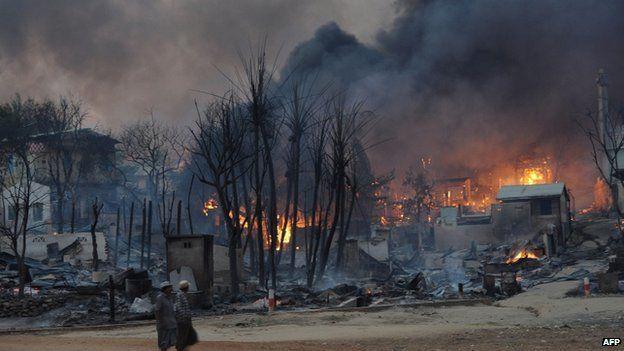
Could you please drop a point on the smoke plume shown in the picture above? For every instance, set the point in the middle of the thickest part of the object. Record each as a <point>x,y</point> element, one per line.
<point>472,84</point>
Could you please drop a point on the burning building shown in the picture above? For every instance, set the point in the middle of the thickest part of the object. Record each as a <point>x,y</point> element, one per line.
<point>527,210</point>
<point>512,200</point>
<point>452,192</point>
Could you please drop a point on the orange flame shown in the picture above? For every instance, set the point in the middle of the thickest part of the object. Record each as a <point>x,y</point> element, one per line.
<point>520,254</point>
<point>532,176</point>
<point>383,221</point>
<point>209,205</point>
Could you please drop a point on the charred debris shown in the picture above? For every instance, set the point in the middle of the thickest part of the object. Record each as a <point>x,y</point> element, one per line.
<point>269,201</point>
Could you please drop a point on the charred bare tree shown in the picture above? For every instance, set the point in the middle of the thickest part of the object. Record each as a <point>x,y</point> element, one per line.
<point>286,213</point>
<point>117,229</point>
<point>418,181</point>
<point>130,234</point>
<point>62,140</point>
<point>165,213</point>
<point>317,155</point>
<point>179,218</point>
<point>261,105</point>
<point>420,202</point>
<point>149,236</point>
<point>347,122</point>
<point>300,108</point>
<point>157,150</point>
<point>354,187</point>
<point>249,219</point>
<point>96,208</point>
<point>143,230</point>
<point>219,136</point>
<point>18,190</point>
<point>605,132</point>
<point>188,206</point>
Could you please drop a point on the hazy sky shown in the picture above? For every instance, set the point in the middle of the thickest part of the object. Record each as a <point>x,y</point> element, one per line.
<point>124,57</point>
<point>470,83</point>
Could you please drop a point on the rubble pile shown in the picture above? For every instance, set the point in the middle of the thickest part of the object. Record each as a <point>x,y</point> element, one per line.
<point>91,310</point>
<point>67,293</point>
<point>29,306</point>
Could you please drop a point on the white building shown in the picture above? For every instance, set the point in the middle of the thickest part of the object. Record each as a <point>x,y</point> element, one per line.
<point>40,215</point>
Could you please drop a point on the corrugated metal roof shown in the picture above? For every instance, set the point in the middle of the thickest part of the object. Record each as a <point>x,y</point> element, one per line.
<point>516,192</point>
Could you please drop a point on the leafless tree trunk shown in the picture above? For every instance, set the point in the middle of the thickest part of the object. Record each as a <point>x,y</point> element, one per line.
<point>188,206</point>
<point>117,229</point>
<point>73,216</point>
<point>259,207</point>
<point>286,215</point>
<point>250,220</point>
<point>62,126</point>
<point>300,107</point>
<point>96,207</point>
<point>149,236</point>
<point>606,138</point>
<point>348,123</point>
<point>261,105</point>
<point>219,138</point>
<point>143,230</point>
<point>179,219</point>
<point>130,234</point>
<point>317,156</point>
<point>157,150</point>
<point>18,190</point>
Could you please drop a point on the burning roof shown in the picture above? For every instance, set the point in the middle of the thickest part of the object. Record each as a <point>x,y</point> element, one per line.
<point>520,192</point>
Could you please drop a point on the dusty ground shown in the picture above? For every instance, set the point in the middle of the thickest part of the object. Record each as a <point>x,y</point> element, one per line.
<point>540,319</point>
<point>573,338</point>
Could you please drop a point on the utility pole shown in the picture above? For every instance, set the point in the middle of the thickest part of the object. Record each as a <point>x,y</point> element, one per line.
<point>111,296</point>
<point>143,234</point>
<point>149,235</point>
<point>117,239</point>
<point>130,234</point>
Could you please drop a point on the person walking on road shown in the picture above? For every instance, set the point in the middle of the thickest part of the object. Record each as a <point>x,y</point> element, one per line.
<point>183,317</point>
<point>166,325</point>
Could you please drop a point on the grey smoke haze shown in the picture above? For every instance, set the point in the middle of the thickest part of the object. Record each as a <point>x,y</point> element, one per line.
<point>124,57</point>
<point>474,83</point>
<point>469,83</point>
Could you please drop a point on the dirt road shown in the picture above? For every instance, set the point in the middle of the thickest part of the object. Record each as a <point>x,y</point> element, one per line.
<point>565,339</point>
<point>540,319</point>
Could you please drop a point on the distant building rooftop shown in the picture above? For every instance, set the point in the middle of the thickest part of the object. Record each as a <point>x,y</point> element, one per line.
<point>452,180</point>
<point>81,133</point>
<point>522,192</point>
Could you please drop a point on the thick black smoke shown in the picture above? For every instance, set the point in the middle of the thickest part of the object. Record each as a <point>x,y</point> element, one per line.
<point>476,83</point>
<point>469,83</point>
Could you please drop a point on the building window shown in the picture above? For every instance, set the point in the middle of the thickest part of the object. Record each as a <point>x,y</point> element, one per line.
<point>186,244</point>
<point>545,207</point>
<point>37,212</point>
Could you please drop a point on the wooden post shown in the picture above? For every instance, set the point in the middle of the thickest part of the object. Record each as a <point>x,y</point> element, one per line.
<point>149,236</point>
<point>73,216</point>
<point>130,234</point>
<point>179,221</point>
<point>188,205</point>
<point>111,297</point>
<point>143,234</point>
<point>117,239</point>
